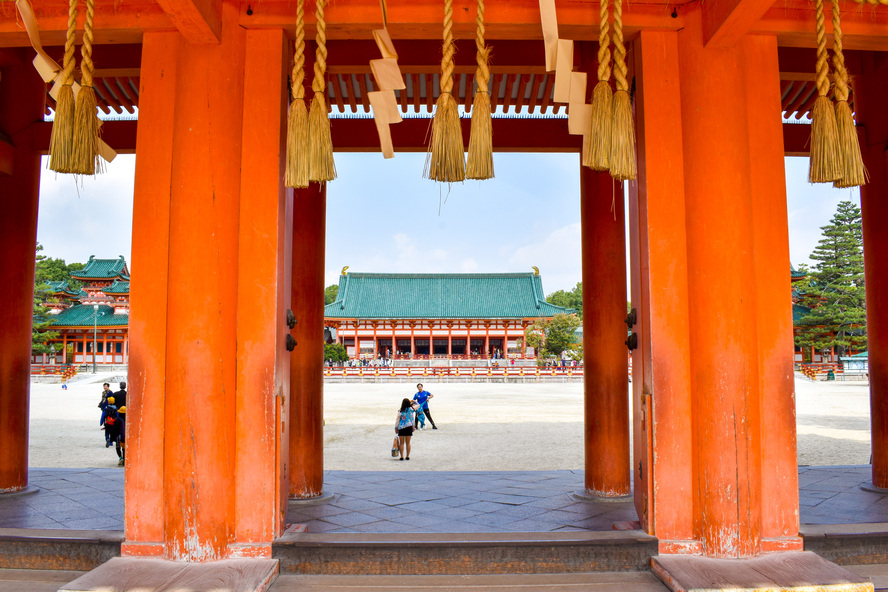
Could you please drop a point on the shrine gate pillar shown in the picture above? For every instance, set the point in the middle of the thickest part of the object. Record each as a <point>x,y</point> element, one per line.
<point>307,361</point>
<point>21,110</point>
<point>606,359</point>
<point>208,367</point>
<point>716,399</point>
<point>870,91</point>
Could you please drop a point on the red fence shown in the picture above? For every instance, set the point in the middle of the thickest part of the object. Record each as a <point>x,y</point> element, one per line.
<point>454,372</point>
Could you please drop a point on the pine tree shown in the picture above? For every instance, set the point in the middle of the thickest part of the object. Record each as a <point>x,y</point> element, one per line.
<point>835,291</point>
<point>40,334</point>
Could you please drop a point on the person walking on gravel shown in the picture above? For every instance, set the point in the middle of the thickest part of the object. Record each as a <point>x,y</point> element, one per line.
<point>404,425</point>
<point>422,399</point>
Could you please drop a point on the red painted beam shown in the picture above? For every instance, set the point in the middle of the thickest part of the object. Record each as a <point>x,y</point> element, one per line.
<point>199,21</point>
<point>359,135</point>
<point>7,157</point>
<point>727,21</point>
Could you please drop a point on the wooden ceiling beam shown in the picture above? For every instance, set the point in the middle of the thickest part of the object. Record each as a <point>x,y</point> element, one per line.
<point>725,22</point>
<point>199,21</point>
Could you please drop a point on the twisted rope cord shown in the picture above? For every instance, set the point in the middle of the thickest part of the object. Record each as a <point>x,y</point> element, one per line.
<point>319,83</point>
<point>822,58</point>
<point>620,69</point>
<point>482,73</point>
<point>68,63</point>
<point>86,64</point>
<point>873,2</point>
<point>297,79</point>
<point>449,50</point>
<point>604,53</point>
<point>841,76</point>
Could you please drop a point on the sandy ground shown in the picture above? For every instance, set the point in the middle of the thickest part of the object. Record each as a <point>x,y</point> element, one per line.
<point>481,426</point>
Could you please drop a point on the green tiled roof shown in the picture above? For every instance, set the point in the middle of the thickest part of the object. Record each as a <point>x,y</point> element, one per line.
<point>794,273</point>
<point>83,315</point>
<point>441,296</point>
<point>102,269</point>
<point>118,287</point>
<point>63,288</point>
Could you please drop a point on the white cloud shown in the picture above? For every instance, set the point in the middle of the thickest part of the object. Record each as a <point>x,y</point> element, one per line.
<point>558,255</point>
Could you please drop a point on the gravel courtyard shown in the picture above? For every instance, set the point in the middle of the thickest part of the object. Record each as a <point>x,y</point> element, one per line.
<point>481,426</point>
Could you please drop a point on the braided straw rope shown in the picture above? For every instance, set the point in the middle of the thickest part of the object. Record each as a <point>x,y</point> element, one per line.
<point>597,157</point>
<point>446,159</point>
<point>322,167</point>
<point>623,166</point>
<point>873,2</point>
<point>853,173</point>
<point>825,164</point>
<point>61,145</point>
<point>298,162</point>
<point>86,120</point>
<point>480,161</point>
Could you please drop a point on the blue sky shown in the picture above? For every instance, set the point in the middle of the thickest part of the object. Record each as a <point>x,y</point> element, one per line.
<point>382,216</point>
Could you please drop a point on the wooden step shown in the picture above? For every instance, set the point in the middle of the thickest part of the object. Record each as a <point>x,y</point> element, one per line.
<point>464,553</point>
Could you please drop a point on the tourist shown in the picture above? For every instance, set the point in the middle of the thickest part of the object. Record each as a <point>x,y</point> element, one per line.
<point>106,392</point>
<point>120,396</point>
<point>113,425</point>
<point>422,399</point>
<point>108,407</point>
<point>404,426</point>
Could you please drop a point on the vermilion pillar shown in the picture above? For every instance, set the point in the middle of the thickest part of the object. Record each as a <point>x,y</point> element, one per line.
<point>870,92</point>
<point>605,379</point>
<point>21,110</point>
<point>307,361</point>
<point>208,366</point>
<point>715,345</point>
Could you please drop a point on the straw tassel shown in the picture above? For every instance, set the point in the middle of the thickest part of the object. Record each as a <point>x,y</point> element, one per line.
<point>297,171</point>
<point>480,161</point>
<point>597,157</point>
<point>446,159</point>
<point>322,167</point>
<point>853,173</point>
<point>86,119</point>
<point>825,166</point>
<point>622,151</point>
<point>61,145</point>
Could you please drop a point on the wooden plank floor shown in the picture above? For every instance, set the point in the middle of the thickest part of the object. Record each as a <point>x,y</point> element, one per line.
<point>124,574</point>
<point>802,570</point>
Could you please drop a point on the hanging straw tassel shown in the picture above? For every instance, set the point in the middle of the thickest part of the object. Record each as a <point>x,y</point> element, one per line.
<point>322,168</point>
<point>446,160</point>
<point>86,120</point>
<point>825,165</point>
<point>853,173</point>
<point>61,144</point>
<point>480,161</point>
<point>598,155</point>
<point>298,165</point>
<point>622,153</point>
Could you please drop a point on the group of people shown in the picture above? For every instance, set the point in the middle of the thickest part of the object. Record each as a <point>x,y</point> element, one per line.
<point>113,419</point>
<point>412,416</point>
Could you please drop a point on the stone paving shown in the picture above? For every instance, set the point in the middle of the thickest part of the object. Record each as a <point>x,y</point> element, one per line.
<point>425,501</point>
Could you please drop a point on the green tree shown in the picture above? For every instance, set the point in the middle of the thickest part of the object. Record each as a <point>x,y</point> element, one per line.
<point>330,294</point>
<point>572,299</point>
<point>40,333</point>
<point>335,352</point>
<point>835,290</point>
<point>550,337</point>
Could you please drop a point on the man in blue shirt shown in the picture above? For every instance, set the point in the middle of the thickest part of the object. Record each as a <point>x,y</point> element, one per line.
<point>422,398</point>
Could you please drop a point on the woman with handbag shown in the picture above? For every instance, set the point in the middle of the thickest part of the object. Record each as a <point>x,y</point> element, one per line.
<point>404,426</point>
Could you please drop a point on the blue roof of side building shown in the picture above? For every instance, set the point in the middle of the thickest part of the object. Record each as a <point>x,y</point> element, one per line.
<point>118,287</point>
<point>798,313</point>
<point>84,315</point>
<point>441,296</point>
<point>102,269</point>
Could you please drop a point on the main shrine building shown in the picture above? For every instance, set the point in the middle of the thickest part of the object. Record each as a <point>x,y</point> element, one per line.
<point>451,315</point>
<point>97,313</point>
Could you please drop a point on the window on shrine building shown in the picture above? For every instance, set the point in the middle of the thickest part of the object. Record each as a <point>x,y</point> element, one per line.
<point>79,347</point>
<point>404,346</point>
<point>118,347</point>
<point>422,347</point>
<point>440,347</point>
<point>458,347</point>
<point>100,348</point>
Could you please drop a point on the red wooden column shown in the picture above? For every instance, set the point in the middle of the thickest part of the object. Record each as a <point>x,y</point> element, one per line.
<point>207,367</point>
<point>307,360</point>
<point>713,379</point>
<point>605,379</point>
<point>870,92</point>
<point>21,108</point>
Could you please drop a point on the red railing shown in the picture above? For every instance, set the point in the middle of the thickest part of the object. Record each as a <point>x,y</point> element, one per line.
<point>442,372</point>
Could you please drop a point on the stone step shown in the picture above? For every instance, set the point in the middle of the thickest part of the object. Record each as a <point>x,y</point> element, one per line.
<point>81,550</point>
<point>589,582</point>
<point>464,553</point>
